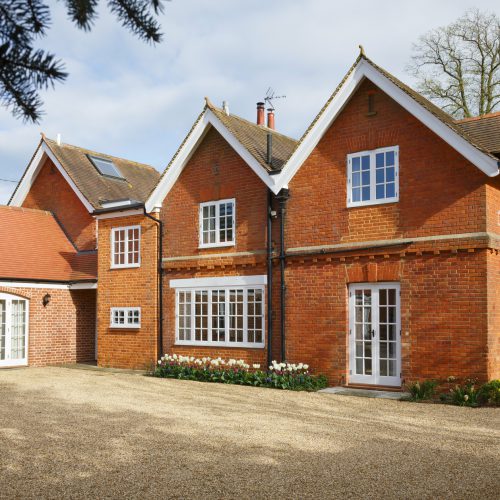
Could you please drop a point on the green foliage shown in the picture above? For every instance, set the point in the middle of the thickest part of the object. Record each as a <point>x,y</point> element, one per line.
<point>279,376</point>
<point>465,394</point>
<point>25,69</point>
<point>420,391</point>
<point>489,393</point>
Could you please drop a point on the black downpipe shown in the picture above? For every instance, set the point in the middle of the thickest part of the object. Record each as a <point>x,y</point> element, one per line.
<point>160,282</point>
<point>282,197</point>
<point>269,278</point>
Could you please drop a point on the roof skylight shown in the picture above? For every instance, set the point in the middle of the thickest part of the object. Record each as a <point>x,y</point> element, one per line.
<point>105,167</point>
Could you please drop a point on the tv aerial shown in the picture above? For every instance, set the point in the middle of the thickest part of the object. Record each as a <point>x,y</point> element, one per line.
<point>270,97</point>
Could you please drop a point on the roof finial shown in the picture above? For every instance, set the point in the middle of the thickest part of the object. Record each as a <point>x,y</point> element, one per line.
<point>208,102</point>
<point>362,51</point>
<point>43,135</point>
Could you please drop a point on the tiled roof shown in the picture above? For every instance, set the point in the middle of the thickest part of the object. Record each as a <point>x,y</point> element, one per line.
<point>34,246</point>
<point>139,179</point>
<point>485,130</point>
<point>253,138</point>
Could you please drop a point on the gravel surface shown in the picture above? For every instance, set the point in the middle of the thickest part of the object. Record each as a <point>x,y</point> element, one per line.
<point>99,434</point>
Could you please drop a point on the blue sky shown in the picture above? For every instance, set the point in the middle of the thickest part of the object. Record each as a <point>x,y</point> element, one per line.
<point>130,99</point>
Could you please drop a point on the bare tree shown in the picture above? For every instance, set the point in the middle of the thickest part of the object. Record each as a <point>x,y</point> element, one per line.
<point>458,66</point>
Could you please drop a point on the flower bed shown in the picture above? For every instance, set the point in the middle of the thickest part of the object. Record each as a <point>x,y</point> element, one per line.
<point>295,377</point>
<point>464,392</point>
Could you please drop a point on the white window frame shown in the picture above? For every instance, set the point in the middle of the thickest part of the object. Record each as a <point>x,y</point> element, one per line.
<point>217,242</point>
<point>373,199</point>
<point>8,361</point>
<point>126,323</point>
<point>114,230</point>
<point>224,285</point>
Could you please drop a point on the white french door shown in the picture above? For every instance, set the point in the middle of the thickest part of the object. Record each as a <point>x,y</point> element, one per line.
<point>13,330</point>
<point>374,334</point>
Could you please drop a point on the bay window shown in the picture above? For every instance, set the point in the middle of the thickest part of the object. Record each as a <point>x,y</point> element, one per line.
<point>226,311</point>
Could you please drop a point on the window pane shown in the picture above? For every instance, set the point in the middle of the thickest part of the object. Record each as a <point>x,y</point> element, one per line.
<point>389,172</point>
<point>379,160</point>
<point>389,158</point>
<point>356,179</point>
<point>355,164</point>
<point>390,190</point>
<point>365,163</point>
<point>356,194</point>
<point>366,193</point>
<point>380,175</point>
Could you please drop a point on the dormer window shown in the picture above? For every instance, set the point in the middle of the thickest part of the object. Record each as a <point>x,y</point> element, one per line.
<point>217,223</point>
<point>373,177</point>
<point>105,167</point>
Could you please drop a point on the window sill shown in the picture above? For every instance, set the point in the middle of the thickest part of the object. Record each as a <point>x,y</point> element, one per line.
<point>124,327</point>
<point>217,245</point>
<point>128,266</point>
<point>372,203</point>
<point>220,344</point>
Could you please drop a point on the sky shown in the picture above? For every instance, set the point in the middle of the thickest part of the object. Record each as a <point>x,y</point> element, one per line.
<point>134,100</point>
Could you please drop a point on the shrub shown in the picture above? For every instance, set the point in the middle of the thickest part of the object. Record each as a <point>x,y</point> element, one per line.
<point>465,394</point>
<point>420,391</point>
<point>295,377</point>
<point>489,393</point>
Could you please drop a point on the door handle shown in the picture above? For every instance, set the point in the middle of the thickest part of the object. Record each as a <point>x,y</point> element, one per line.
<point>373,333</point>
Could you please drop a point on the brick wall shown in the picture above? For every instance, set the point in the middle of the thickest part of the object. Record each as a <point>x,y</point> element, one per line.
<point>50,191</point>
<point>440,191</point>
<point>214,172</point>
<point>443,283</point>
<point>133,287</point>
<point>493,259</point>
<point>64,330</point>
<point>443,311</point>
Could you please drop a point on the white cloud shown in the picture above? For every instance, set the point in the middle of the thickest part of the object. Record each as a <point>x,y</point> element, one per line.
<point>128,98</point>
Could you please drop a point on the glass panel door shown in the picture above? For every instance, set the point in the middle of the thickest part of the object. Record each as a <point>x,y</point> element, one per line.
<point>3,329</point>
<point>363,352</point>
<point>374,334</point>
<point>13,330</point>
<point>18,330</point>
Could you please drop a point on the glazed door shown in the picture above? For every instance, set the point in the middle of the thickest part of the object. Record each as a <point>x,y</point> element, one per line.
<point>13,331</point>
<point>374,334</point>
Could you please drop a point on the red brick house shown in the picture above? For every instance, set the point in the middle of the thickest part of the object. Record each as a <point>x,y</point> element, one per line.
<point>367,249</point>
<point>48,249</point>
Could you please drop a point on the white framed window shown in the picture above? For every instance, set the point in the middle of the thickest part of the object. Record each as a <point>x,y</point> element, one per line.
<point>125,317</point>
<point>218,315</point>
<point>373,177</point>
<point>217,223</point>
<point>126,246</point>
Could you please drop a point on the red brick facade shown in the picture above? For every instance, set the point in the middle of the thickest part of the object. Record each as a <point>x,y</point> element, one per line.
<point>130,287</point>
<point>64,330</point>
<point>439,242</point>
<point>214,172</point>
<point>449,292</point>
<point>51,192</point>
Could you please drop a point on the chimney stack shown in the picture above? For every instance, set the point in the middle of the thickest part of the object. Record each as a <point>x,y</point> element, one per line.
<point>270,118</point>
<point>260,113</point>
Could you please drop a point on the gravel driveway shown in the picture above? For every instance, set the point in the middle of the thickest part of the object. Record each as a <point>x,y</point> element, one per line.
<point>97,434</point>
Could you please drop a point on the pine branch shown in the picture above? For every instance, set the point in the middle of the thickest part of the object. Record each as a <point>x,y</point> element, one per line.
<point>135,15</point>
<point>82,12</point>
